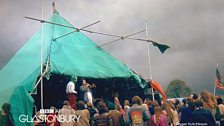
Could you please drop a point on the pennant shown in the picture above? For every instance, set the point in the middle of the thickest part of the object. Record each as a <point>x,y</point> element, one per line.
<point>155,85</point>
<point>162,48</point>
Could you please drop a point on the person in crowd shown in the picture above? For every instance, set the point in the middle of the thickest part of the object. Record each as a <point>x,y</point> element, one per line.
<point>92,111</point>
<point>168,112</point>
<point>102,118</point>
<point>209,102</point>
<point>52,120</point>
<point>66,111</point>
<point>71,93</point>
<point>186,111</point>
<point>221,110</point>
<point>126,105</point>
<point>145,106</point>
<point>171,113</point>
<point>151,106</point>
<point>86,94</point>
<point>116,100</point>
<point>184,102</point>
<point>194,97</point>
<point>126,109</point>
<point>177,105</point>
<point>191,104</point>
<point>159,118</point>
<point>118,105</point>
<point>175,119</point>
<point>6,116</point>
<point>177,102</point>
<point>201,115</point>
<point>137,116</point>
<point>116,115</point>
<point>83,113</point>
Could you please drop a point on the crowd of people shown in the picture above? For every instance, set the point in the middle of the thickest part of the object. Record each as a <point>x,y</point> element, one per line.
<point>196,110</point>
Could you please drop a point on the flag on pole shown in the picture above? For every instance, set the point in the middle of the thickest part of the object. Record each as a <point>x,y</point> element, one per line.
<point>155,85</point>
<point>218,80</point>
<point>162,48</point>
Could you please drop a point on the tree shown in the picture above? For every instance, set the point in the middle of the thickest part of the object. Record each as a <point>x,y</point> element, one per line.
<point>177,88</point>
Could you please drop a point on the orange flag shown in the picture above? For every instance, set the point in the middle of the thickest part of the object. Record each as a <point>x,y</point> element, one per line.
<point>155,85</point>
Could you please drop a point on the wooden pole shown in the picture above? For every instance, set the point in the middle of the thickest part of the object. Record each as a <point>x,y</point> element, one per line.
<point>122,37</point>
<point>149,60</point>
<point>76,30</point>
<point>41,54</point>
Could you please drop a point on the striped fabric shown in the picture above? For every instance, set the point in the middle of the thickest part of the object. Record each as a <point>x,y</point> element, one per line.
<point>218,80</point>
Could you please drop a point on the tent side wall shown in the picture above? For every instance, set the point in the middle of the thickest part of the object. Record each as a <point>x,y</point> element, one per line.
<point>18,77</point>
<point>23,64</point>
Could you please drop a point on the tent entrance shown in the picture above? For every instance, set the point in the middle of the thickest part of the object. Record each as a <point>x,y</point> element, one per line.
<point>124,88</point>
<point>55,90</point>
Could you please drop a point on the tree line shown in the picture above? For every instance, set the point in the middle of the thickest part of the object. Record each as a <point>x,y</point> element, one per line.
<point>177,89</point>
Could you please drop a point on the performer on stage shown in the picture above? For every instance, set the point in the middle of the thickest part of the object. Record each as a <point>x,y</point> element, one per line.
<point>71,93</point>
<point>86,94</point>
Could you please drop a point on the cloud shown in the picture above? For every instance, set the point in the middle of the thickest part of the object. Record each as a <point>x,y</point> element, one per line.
<point>193,29</point>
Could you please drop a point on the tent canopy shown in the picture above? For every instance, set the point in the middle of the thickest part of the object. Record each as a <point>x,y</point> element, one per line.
<point>74,55</point>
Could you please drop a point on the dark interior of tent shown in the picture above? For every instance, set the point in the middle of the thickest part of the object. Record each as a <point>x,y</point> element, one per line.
<point>54,90</point>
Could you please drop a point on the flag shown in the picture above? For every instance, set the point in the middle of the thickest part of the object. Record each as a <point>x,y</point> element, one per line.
<point>155,85</point>
<point>218,80</point>
<point>218,75</point>
<point>162,48</point>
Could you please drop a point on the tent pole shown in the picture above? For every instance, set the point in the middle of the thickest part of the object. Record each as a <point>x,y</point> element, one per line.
<point>149,59</point>
<point>76,30</point>
<point>150,70</point>
<point>41,54</point>
<point>42,75</point>
<point>41,78</point>
<point>85,30</point>
<point>122,37</point>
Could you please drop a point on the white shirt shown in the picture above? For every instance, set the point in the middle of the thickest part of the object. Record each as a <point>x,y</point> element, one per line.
<point>70,87</point>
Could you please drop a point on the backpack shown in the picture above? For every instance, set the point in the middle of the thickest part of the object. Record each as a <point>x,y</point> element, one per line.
<point>136,116</point>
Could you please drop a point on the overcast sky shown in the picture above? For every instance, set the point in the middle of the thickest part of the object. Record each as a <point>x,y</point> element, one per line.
<point>192,28</point>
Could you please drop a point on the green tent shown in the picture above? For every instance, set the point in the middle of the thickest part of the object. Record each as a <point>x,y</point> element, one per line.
<point>74,54</point>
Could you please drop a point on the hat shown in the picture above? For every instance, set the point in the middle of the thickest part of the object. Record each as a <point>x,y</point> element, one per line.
<point>73,79</point>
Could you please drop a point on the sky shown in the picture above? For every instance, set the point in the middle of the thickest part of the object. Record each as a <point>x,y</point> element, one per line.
<point>192,28</point>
